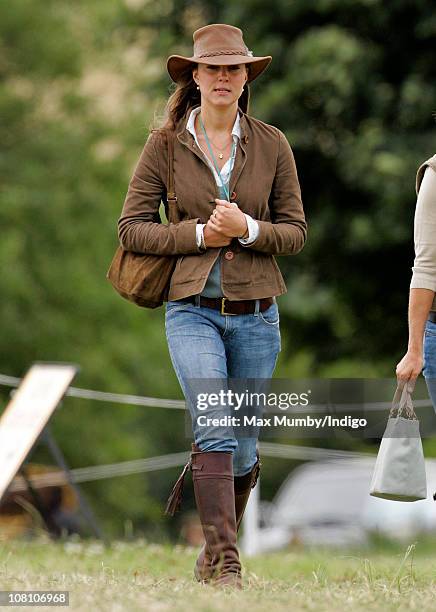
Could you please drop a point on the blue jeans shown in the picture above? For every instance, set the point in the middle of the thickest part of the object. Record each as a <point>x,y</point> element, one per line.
<point>429,369</point>
<point>204,344</point>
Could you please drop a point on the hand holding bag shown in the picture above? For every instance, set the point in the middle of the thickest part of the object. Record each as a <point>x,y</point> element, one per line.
<point>399,472</point>
<point>144,279</point>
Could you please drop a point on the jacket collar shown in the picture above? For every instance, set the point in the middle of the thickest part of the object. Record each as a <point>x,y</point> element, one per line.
<point>187,139</point>
<point>184,136</point>
<point>236,131</point>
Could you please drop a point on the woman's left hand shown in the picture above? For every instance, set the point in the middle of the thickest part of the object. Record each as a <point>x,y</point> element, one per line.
<point>409,368</point>
<point>228,219</point>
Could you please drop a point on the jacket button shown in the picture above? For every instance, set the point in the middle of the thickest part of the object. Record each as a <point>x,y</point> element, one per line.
<point>229,255</point>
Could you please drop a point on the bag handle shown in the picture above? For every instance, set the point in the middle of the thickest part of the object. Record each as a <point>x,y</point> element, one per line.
<point>171,194</point>
<point>402,404</point>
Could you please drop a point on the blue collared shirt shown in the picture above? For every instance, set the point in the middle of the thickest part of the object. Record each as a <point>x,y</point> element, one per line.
<point>253,227</point>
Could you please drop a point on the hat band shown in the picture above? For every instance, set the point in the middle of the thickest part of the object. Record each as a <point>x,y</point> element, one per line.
<point>227,52</point>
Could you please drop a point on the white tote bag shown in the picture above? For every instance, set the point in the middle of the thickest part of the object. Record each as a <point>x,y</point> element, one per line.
<point>399,472</point>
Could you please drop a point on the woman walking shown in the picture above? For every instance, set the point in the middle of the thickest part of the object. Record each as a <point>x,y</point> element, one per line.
<point>239,205</point>
<point>421,350</point>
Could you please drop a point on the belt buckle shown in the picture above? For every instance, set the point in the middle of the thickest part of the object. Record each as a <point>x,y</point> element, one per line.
<point>223,306</point>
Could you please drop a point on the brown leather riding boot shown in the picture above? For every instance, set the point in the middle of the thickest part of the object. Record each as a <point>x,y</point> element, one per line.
<point>204,568</point>
<point>212,474</point>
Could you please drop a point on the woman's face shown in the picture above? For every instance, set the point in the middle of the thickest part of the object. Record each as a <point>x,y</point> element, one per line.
<point>220,85</point>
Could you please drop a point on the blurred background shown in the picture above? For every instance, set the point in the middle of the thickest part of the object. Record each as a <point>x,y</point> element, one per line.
<point>353,86</point>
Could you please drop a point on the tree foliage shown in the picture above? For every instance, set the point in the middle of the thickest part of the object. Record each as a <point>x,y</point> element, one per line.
<point>352,84</point>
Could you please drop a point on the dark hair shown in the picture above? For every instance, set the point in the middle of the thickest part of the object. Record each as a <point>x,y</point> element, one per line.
<point>186,96</point>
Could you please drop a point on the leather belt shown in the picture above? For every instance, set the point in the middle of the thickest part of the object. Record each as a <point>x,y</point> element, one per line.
<point>432,316</point>
<point>228,307</point>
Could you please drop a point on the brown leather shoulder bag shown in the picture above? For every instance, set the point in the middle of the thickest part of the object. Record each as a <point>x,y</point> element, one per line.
<point>141,278</point>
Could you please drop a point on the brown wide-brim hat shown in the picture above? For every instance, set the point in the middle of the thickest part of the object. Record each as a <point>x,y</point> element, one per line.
<point>220,45</point>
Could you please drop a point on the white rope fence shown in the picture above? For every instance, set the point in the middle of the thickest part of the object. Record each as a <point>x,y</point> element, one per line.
<point>153,402</point>
<point>152,464</point>
<point>103,396</point>
<point>308,453</point>
<point>100,472</point>
<point>162,462</point>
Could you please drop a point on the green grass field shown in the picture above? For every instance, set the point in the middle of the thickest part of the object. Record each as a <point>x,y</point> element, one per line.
<point>142,576</point>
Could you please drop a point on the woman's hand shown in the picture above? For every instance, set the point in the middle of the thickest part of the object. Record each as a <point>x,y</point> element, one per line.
<point>213,238</point>
<point>420,302</point>
<point>410,366</point>
<point>228,219</point>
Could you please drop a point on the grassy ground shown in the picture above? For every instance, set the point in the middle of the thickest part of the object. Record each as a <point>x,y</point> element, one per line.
<point>140,576</point>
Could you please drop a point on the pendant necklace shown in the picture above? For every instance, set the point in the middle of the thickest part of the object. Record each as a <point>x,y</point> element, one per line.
<point>232,154</point>
<point>220,155</point>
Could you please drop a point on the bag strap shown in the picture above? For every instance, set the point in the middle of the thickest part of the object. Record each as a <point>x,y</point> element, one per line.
<point>402,404</point>
<point>171,193</point>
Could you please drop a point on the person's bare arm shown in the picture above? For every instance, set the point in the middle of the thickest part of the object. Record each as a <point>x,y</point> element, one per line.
<point>423,283</point>
<point>420,302</point>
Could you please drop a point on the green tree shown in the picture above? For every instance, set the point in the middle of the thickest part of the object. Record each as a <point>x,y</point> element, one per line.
<point>74,122</point>
<point>352,84</point>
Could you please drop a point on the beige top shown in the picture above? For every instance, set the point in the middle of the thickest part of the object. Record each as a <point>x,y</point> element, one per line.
<point>424,267</point>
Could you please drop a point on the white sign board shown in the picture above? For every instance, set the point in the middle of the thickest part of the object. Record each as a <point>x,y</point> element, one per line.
<point>28,412</point>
